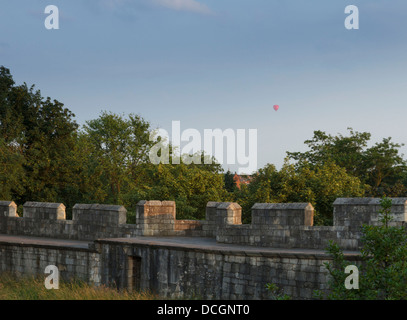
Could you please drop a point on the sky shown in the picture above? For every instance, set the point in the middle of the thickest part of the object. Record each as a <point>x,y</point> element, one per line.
<point>219,64</point>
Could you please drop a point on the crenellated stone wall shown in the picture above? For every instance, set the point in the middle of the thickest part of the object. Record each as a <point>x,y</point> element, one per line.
<point>89,221</point>
<point>278,225</point>
<point>215,258</point>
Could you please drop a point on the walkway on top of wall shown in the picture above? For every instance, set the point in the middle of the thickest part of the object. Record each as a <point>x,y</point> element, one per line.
<point>44,242</point>
<point>210,245</point>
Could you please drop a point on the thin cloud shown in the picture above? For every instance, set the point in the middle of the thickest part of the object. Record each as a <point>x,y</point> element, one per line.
<point>184,5</point>
<point>131,6</point>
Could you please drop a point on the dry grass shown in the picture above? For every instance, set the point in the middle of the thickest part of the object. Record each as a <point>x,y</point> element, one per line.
<point>33,288</point>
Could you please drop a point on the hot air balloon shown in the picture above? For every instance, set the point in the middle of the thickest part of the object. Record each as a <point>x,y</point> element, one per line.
<point>276,106</point>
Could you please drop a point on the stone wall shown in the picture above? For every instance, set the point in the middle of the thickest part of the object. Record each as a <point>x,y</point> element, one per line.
<point>172,269</point>
<point>288,225</point>
<point>94,221</point>
<point>216,258</point>
<point>354,212</point>
<point>21,257</point>
<point>211,272</point>
<point>89,221</point>
<point>158,218</point>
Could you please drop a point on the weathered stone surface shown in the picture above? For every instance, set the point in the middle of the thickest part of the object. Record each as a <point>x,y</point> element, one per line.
<point>223,259</point>
<point>354,212</point>
<point>8,209</point>
<point>209,270</point>
<point>44,210</point>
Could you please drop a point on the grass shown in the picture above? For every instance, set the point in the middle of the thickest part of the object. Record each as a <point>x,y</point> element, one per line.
<point>33,288</point>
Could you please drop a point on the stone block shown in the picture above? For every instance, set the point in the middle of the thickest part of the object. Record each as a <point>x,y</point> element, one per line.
<point>113,215</point>
<point>44,210</point>
<point>283,214</point>
<point>354,212</point>
<point>8,209</point>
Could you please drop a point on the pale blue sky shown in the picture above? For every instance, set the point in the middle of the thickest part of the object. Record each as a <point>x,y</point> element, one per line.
<point>219,64</point>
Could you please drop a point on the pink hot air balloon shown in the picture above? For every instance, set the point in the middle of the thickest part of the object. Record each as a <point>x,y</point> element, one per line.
<point>276,106</point>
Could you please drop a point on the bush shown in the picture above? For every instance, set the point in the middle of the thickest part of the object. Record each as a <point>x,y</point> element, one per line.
<point>383,271</point>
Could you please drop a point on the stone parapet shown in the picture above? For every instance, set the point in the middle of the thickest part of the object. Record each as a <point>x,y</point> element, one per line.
<point>279,225</point>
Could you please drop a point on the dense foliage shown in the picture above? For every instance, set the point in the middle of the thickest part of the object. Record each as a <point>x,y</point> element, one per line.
<point>46,156</point>
<point>382,275</point>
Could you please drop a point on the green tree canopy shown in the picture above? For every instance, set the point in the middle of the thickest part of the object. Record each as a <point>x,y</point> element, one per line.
<point>230,184</point>
<point>45,156</point>
<point>40,135</point>
<point>319,186</point>
<point>118,148</point>
<point>380,166</point>
<point>191,186</point>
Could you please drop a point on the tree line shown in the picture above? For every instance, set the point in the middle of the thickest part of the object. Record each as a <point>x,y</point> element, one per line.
<point>46,156</point>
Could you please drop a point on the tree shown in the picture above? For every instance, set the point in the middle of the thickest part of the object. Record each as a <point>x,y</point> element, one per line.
<point>380,166</point>
<point>9,127</point>
<point>44,157</point>
<point>39,133</point>
<point>11,157</point>
<point>191,186</point>
<point>383,270</point>
<point>230,184</point>
<point>385,166</point>
<point>11,171</point>
<point>320,186</point>
<point>118,149</point>
<point>345,151</point>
